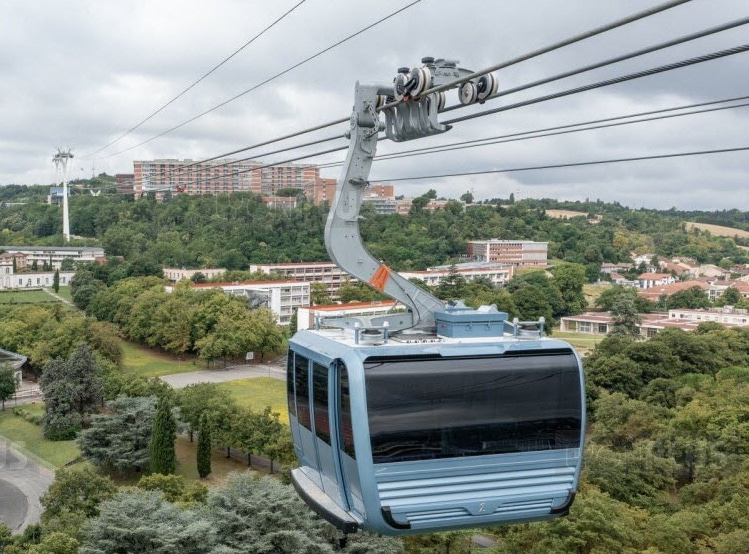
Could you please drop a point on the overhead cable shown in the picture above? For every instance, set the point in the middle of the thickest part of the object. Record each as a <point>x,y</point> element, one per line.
<point>550,48</point>
<point>201,78</point>
<point>268,80</point>
<point>557,130</point>
<point>607,82</point>
<point>572,164</point>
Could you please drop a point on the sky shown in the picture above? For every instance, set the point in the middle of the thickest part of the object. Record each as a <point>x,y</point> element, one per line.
<point>79,74</point>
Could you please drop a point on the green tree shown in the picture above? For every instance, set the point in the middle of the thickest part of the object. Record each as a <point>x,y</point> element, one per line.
<point>569,279</point>
<point>531,304</point>
<point>162,452</point>
<point>76,490</point>
<point>692,298</point>
<point>56,281</point>
<point>72,388</point>
<point>319,294</point>
<point>204,447</point>
<point>120,440</point>
<point>205,398</point>
<point>143,522</point>
<point>8,383</point>
<point>626,319</point>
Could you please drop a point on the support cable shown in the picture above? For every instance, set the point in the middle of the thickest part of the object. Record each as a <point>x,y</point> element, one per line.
<point>607,82</point>
<point>611,61</point>
<point>272,78</point>
<point>555,131</point>
<point>572,164</point>
<point>214,68</point>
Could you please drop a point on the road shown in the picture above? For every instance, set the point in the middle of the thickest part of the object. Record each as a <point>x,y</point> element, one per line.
<point>181,380</point>
<point>22,483</point>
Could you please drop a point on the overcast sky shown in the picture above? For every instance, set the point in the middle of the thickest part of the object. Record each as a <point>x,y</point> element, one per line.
<point>78,74</point>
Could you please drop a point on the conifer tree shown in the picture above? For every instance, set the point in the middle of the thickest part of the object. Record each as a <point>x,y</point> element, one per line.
<point>163,458</point>
<point>204,447</point>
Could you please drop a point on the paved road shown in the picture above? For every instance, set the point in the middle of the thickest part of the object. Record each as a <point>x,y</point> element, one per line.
<point>181,380</point>
<point>22,483</point>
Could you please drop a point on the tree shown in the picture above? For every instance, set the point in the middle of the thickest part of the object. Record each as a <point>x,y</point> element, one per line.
<point>531,304</point>
<point>143,522</point>
<point>163,456</point>
<point>76,490</point>
<point>319,294</point>
<point>626,319</point>
<point>569,279</point>
<point>56,281</point>
<point>204,447</point>
<point>72,388</point>
<point>692,298</point>
<point>205,398</point>
<point>467,197</point>
<point>730,297</point>
<point>121,440</point>
<point>8,383</point>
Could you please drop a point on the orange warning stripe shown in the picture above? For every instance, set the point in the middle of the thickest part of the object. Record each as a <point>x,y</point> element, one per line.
<point>380,278</point>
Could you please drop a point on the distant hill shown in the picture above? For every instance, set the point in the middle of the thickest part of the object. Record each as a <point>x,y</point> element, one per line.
<point>718,230</point>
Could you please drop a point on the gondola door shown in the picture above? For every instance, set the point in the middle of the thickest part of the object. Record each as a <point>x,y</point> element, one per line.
<point>323,409</point>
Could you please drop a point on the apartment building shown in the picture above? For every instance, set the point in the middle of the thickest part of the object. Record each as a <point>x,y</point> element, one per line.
<point>327,273</point>
<point>498,274</point>
<point>212,177</point>
<point>33,280</point>
<point>175,274</point>
<point>307,318</point>
<point>521,253</point>
<point>53,255</point>
<point>280,297</point>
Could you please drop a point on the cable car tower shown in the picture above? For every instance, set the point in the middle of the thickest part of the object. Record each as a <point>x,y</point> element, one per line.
<point>441,416</point>
<point>61,165</point>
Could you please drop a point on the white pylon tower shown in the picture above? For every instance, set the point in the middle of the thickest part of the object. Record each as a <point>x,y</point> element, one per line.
<point>61,164</point>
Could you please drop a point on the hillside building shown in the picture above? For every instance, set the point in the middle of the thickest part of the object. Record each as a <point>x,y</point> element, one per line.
<point>521,253</point>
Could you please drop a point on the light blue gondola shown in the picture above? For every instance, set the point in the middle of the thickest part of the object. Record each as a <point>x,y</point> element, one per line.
<point>439,417</point>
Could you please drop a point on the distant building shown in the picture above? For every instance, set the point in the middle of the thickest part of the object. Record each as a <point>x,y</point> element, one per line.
<point>54,255</point>
<point>522,253</point>
<point>602,323</point>
<point>175,274</point>
<point>655,293</point>
<point>498,274</point>
<point>33,280</point>
<point>307,317</point>
<point>650,280</point>
<point>327,273</point>
<point>124,182</point>
<point>55,196</point>
<point>219,176</point>
<point>280,297</point>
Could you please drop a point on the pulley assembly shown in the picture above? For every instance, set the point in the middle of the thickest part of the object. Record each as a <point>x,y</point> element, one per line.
<point>411,111</point>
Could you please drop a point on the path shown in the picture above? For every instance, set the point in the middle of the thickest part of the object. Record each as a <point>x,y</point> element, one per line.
<point>58,297</point>
<point>22,483</point>
<point>181,380</point>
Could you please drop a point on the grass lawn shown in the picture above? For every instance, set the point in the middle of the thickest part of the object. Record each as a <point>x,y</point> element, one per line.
<point>149,363</point>
<point>26,297</point>
<point>29,437</point>
<point>64,292</point>
<point>221,466</point>
<point>593,290</point>
<point>582,342</point>
<point>259,392</point>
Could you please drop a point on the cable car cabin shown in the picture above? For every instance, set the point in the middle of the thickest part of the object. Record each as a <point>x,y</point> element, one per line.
<point>414,433</point>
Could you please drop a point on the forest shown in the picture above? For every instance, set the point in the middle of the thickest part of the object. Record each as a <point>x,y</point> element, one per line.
<point>235,230</point>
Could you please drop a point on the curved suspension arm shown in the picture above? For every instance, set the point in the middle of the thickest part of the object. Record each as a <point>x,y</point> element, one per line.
<point>342,236</point>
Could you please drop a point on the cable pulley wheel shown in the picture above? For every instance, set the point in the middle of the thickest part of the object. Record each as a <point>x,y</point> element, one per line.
<point>467,93</point>
<point>399,85</point>
<point>423,78</point>
<point>487,86</point>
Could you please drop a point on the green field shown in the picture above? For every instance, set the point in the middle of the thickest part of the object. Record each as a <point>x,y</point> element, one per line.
<point>149,363</point>
<point>64,292</point>
<point>29,437</point>
<point>258,392</point>
<point>26,297</point>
